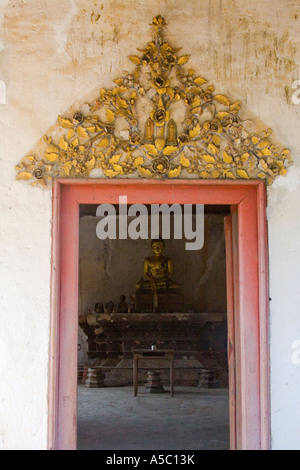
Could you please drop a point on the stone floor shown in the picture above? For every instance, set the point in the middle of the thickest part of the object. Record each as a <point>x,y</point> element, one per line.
<point>113,419</point>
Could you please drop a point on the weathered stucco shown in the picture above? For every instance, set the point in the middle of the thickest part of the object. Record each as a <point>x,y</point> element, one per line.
<point>56,55</point>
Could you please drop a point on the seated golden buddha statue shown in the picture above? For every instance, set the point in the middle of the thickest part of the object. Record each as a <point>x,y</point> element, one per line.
<point>156,291</point>
<point>158,270</point>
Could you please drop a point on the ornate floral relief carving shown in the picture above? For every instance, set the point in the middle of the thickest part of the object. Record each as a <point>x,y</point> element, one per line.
<point>131,129</point>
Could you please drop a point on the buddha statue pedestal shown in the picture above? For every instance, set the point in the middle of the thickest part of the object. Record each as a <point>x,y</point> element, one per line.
<point>170,301</point>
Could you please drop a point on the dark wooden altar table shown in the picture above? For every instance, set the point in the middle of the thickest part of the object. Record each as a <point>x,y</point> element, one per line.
<point>152,354</point>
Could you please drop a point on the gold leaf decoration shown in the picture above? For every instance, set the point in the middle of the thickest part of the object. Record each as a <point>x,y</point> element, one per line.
<point>200,80</point>
<point>130,129</point>
<point>24,175</point>
<point>90,164</point>
<point>63,143</point>
<point>242,174</point>
<point>52,157</point>
<point>82,132</point>
<point>115,159</point>
<point>184,161</point>
<point>145,172</point>
<point>70,134</point>
<point>169,150</point>
<point>151,149</point>
<point>138,161</point>
<point>66,123</point>
<point>208,158</point>
<point>136,60</point>
<point>183,59</point>
<point>194,132</point>
<point>222,99</point>
<point>110,116</point>
<point>175,172</point>
<point>227,158</point>
<point>111,173</point>
<point>103,143</point>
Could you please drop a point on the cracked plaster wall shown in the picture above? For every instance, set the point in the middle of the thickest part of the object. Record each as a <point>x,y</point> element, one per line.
<point>54,54</point>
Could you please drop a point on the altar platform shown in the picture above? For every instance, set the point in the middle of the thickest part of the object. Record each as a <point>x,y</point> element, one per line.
<point>192,336</point>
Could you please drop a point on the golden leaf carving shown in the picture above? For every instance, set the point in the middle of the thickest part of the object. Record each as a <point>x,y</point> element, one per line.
<point>138,161</point>
<point>216,140</point>
<point>145,172</point>
<point>71,134</point>
<point>242,174</point>
<point>170,92</point>
<point>91,128</point>
<point>222,114</point>
<point>208,158</point>
<point>263,165</point>
<point>235,106</point>
<point>200,80</point>
<point>119,89</point>
<point>115,159</point>
<point>263,144</point>
<point>24,175</point>
<point>175,172</point>
<point>117,168</point>
<point>255,140</point>
<point>227,158</point>
<point>222,99</point>
<point>150,149</point>
<point>215,174</point>
<point>111,173</point>
<point>212,148</point>
<point>194,132</point>
<point>67,167</point>
<point>66,123</point>
<point>266,152</point>
<point>183,59</point>
<point>135,59</point>
<point>204,174</point>
<point>159,144</point>
<point>90,164</point>
<point>110,116</point>
<point>52,157</point>
<point>169,150</point>
<point>245,157</point>
<point>184,161</point>
<point>121,103</point>
<point>228,174</point>
<point>81,131</point>
<point>63,143</point>
<point>103,143</point>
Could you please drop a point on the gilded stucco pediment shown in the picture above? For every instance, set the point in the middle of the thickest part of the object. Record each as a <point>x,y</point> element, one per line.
<point>161,120</point>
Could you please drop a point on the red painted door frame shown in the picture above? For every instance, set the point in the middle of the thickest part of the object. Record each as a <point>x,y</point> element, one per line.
<point>247,276</point>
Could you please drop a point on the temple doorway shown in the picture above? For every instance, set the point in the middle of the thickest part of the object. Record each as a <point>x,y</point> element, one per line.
<point>247,299</point>
<point>117,316</point>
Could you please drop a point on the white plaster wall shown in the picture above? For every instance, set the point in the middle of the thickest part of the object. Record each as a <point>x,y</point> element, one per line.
<point>54,54</point>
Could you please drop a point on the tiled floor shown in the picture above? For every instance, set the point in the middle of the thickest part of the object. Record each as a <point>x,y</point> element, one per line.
<point>113,419</point>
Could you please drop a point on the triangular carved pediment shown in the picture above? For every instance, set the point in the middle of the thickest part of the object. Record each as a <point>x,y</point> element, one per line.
<point>162,120</point>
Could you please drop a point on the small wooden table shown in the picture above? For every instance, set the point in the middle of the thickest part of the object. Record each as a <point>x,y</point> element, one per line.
<point>152,354</point>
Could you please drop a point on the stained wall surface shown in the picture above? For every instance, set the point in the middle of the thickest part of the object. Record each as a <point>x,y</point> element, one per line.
<point>54,55</point>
